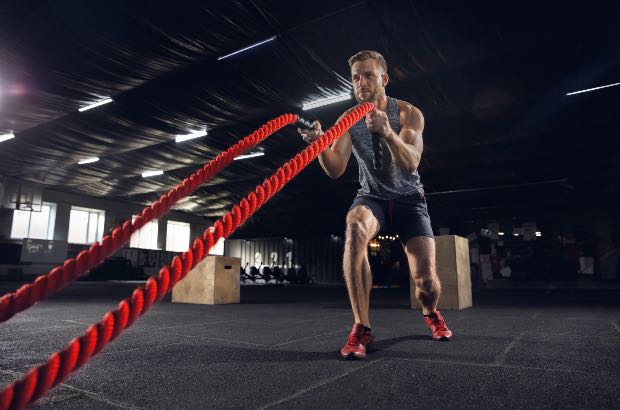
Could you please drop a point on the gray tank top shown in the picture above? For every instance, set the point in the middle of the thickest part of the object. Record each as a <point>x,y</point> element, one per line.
<point>391,182</point>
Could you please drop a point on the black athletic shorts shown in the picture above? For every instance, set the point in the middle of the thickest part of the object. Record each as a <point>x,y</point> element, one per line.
<point>406,216</point>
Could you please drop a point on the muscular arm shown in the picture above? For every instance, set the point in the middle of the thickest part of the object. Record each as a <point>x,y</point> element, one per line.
<point>407,146</point>
<point>333,159</point>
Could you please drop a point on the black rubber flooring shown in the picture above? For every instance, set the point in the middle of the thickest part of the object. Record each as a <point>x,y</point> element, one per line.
<point>279,349</point>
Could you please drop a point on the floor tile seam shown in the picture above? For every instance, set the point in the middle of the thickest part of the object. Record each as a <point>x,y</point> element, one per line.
<point>143,348</point>
<point>501,357</point>
<point>201,324</point>
<point>615,325</point>
<point>321,383</point>
<point>211,338</point>
<point>89,394</point>
<point>309,337</point>
<point>504,366</point>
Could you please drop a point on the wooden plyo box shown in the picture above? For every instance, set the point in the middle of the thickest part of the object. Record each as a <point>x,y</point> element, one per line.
<point>213,281</point>
<point>452,263</point>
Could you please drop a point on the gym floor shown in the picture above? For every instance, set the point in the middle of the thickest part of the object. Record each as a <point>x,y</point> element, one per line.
<point>279,349</point>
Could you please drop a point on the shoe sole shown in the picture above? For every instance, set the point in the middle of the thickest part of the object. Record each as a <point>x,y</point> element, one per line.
<point>352,356</point>
<point>442,339</point>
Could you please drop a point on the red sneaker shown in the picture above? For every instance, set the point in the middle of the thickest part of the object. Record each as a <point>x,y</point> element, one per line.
<point>438,327</point>
<point>357,341</point>
<point>367,338</point>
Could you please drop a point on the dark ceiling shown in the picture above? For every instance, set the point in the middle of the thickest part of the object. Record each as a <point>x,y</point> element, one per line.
<point>490,79</point>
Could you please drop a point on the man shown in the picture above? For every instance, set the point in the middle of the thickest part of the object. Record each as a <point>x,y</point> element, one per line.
<point>390,194</point>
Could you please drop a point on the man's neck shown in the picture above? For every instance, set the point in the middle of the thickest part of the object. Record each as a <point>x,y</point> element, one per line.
<point>382,103</point>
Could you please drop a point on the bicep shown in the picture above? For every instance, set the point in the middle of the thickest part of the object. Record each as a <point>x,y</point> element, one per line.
<point>412,128</point>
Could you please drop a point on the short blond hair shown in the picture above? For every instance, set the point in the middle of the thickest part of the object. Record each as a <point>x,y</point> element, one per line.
<point>366,55</point>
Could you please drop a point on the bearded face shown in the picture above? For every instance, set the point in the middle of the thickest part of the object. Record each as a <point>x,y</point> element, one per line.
<point>368,80</point>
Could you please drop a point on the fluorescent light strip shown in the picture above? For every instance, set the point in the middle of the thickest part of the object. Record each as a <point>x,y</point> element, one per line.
<point>190,136</point>
<point>88,160</point>
<point>7,136</point>
<point>593,89</point>
<point>97,104</point>
<point>326,101</point>
<point>256,154</point>
<point>247,48</point>
<point>147,174</point>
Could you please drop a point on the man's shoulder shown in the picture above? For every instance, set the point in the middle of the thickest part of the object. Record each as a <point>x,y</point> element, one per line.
<point>409,114</point>
<point>408,108</point>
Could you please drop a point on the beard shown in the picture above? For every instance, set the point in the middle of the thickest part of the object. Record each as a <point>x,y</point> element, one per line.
<point>372,97</point>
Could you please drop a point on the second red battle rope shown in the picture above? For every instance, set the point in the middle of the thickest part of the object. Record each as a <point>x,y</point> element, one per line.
<point>61,364</point>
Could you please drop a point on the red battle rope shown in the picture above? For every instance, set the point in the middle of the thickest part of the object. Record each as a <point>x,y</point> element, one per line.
<point>72,269</point>
<point>61,364</point>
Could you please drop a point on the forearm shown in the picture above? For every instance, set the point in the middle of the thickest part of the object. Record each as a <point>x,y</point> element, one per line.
<point>334,158</point>
<point>331,163</point>
<point>405,156</point>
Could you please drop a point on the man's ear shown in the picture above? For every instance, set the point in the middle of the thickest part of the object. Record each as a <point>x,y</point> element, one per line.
<point>385,79</point>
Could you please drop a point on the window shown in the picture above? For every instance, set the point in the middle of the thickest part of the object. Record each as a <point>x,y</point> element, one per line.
<point>177,236</point>
<point>35,225</point>
<point>146,237</point>
<point>218,247</point>
<point>85,225</point>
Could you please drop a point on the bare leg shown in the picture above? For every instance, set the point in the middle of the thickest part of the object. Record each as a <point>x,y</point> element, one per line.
<point>420,252</point>
<point>362,226</point>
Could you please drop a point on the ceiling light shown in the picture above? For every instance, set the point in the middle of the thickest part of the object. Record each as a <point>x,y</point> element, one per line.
<point>147,174</point>
<point>326,101</point>
<point>500,233</point>
<point>538,233</point>
<point>593,89</point>
<point>88,160</point>
<point>516,234</point>
<point>7,136</point>
<point>191,135</point>
<point>247,48</point>
<point>97,104</point>
<point>256,154</point>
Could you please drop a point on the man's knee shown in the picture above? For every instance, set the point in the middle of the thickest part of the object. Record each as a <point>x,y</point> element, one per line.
<point>360,226</point>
